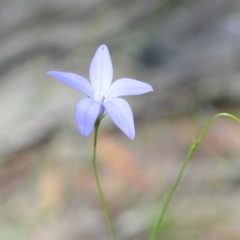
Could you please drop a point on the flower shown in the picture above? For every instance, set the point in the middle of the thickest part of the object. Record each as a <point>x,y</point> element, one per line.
<point>102,95</point>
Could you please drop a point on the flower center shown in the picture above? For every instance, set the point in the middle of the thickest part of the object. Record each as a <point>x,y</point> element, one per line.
<point>99,97</point>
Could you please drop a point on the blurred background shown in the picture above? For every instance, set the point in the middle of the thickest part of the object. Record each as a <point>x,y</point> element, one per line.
<point>189,51</point>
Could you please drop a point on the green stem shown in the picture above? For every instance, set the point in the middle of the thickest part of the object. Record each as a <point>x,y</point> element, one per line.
<point>189,154</point>
<point>109,223</point>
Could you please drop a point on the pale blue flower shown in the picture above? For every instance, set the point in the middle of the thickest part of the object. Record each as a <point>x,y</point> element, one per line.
<point>102,95</point>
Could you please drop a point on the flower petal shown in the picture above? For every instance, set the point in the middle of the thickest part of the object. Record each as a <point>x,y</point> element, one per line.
<point>126,87</point>
<point>101,70</point>
<point>121,114</point>
<point>87,111</point>
<point>73,80</point>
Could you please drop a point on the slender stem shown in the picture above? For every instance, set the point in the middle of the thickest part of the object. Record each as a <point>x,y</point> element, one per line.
<point>109,223</point>
<point>189,154</point>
